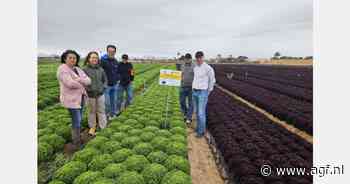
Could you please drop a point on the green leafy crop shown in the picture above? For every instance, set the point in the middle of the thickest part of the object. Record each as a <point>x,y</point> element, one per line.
<point>121,155</point>
<point>178,130</point>
<point>70,171</point>
<point>177,162</point>
<point>131,122</point>
<point>114,170</point>
<point>45,151</point>
<point>56,141</point>
<point>106,132</point>
<point>118,136</point>
<point>147,136</point>
<point>179,138</point>
<point>130,142</point>
<point>104,181</point>
<point>56,182</point>
<point>86,155</point>
<point>99,162</point>
<point>153,122</point>
<point>131,177</point>
<point>176,177</point>
<point>154,173</point>
<point>136,163</point>
<point>164,133</point>
<point>110,147</point>
<point>88,177</point>
<point>177,148</point>
<point>157,157</point>
<point>115,125</point>
<point>134,132</point>
<point>125,128</point>
<point>177,123</point>
<point>64,131</point>
<point>160,143</point>
<point>97,142</point>
<point>143,149</point>
<point>153,129</point>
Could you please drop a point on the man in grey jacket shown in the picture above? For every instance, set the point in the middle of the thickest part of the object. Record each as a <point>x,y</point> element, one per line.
<point>186,88</point>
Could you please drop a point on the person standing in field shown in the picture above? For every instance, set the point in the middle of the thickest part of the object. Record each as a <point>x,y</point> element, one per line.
<point>179,62</point>
<point>126,72</point>
<point>72,81</point>
<point>202,85</point>
<point>95,92</point>
<point>110,66</point>
<point>186,88</point>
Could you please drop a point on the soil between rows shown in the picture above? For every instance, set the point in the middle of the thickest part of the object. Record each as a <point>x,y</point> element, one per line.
<point>203,167</point>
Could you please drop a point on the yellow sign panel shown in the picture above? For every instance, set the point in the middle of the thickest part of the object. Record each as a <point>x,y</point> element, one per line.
<point>170,77</point>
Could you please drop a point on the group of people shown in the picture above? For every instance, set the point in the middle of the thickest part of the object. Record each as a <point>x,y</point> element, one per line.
<point>100,83</point>
<point>198,80</point>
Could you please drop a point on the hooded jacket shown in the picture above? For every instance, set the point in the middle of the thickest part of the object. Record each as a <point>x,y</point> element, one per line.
<point>98,80</point>
<point>110,66</point>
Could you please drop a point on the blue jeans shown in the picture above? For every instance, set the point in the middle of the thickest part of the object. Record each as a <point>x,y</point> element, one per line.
<point>129,94</point>
<point>200,99</point>
<point>111,100</point>
<point>186,102</point>
<point>76,115</point>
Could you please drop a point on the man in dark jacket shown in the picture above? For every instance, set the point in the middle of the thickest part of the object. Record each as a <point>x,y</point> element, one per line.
<point>110,66</point>
<point>186,88</point>
<point>125,69</point>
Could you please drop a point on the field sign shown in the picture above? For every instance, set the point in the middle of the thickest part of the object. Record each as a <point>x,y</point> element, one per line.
<point>170,77</point>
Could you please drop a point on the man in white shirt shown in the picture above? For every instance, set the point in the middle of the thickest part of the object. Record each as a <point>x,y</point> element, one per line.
<point>202,85</point>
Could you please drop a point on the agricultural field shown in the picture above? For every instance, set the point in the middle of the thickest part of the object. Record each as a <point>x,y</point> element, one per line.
<point>284,91</point>
<point>54,122</point>
<point>48,89</point>
<point>150,144</point>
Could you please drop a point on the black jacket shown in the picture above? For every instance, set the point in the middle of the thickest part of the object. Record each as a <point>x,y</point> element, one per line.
<point>126,73</point>
<point>110,66</point>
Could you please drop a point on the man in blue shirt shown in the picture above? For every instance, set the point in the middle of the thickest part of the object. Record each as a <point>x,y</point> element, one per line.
<point>110,66</point>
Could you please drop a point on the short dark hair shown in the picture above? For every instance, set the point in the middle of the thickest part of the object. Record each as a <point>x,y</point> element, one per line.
<point>111,46</point>
<point>199,54</point>
<point>65,54</point>
<point>89,55</point>
<point>188,56</point>
<point>125,56</point>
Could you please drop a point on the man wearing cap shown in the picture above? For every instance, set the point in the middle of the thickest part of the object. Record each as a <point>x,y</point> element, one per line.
<point>126,72</point>
<point>186,88</point>
<point>202,85</point>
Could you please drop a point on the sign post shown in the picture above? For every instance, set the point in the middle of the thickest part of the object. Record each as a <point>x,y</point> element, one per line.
<point>169,78</point>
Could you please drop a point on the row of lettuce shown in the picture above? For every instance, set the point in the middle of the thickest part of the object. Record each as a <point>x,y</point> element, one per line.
<point>141,146</point>
<point>48,90</point>
<point>54,130</point>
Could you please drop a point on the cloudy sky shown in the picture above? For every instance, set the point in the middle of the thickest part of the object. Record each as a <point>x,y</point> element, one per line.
<point>254,28</point>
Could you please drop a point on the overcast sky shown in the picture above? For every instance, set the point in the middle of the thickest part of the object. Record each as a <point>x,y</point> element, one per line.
<point>254,28</point>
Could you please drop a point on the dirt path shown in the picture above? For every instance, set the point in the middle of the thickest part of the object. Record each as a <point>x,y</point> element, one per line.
<point>289,127</point>
<point>203,166</point>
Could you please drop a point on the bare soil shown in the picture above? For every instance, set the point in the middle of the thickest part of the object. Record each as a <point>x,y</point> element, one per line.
<point>286,61</point>
<point>203,167</point>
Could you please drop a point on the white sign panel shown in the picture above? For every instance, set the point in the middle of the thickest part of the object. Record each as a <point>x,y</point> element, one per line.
<point>170,77</point>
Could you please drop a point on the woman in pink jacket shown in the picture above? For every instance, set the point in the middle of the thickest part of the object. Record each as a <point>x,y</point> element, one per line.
<point>72,82</point>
